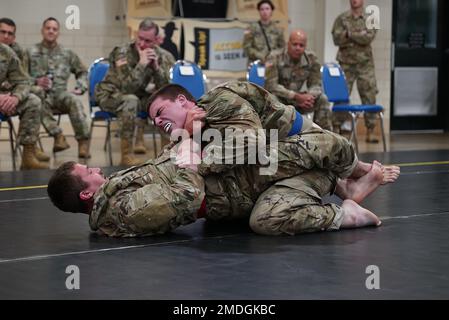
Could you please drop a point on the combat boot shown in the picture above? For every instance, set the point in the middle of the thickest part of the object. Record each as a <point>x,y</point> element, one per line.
<point>83,148</point>
<point>29,161</point>
<point>370,138</point>
<point>139,146</point>
<point>60,143</point>
<point>127,159</point>
<point>40,155</point>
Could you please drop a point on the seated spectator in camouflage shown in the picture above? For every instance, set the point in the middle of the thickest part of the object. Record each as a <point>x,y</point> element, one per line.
<point>16,99</point>
<point>293,75</point>
<point>137,69</point>
<point>50,66</point>
<point>263,36</point>
<point>159,196</point>
<point>8,37</point>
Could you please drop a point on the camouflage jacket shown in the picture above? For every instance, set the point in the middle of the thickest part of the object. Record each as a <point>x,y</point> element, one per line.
<point>157,197</point>
<point>244,108</point>
<point>353,38</point>
<point>12,77</point>
<point>58,61</point>
<point>286,77</point>
<point>152,198</point>
<point>22,55</point>
<point>254,43</point>
<point>127,76</point>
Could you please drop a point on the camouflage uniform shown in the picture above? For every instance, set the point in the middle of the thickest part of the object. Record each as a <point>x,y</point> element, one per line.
<point>286,77</point>
<point>128,84</point>
<point>157,197</point>
<point>149,199</point>
<point>255,45</point>
<point>21,54</point>
<point>356,59</point>
<point>240,105</point>
<point>14,80</point>
<point>61,62</point>
<point>25,60</point>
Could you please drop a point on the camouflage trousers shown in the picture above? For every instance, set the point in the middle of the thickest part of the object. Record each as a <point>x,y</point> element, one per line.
<point>126,109</point>
<point>29,112</point>
<point>365,76</point>
<point>322,113</point>
<point>66,103</point>
<point>234,194</point>
<point>293,206</point>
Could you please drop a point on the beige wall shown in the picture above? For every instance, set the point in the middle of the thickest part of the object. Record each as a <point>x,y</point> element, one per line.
<point>317,18</point>
<point>100,31</point>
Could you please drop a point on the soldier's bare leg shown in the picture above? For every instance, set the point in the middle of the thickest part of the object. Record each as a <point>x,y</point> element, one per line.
<point>358,189</point>
<point>356,216</point>
<point>390,173</point>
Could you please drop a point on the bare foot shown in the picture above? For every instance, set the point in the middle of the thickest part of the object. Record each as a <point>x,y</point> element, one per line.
<point>360,170</point>
<point>391,173</point>
<point>356,216</point>
<point>357,190</point>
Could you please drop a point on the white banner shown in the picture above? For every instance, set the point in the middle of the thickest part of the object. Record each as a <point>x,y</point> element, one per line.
<point>217,47</point>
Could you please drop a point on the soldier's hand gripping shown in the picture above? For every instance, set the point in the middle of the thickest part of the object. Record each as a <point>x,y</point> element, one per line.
<point>305,101</point>
<point>44,82</point>
<point>8,104</point>
<point>143,56</point>
<point>194,115</point>
<point>188,155</point>
<point>153,59</point>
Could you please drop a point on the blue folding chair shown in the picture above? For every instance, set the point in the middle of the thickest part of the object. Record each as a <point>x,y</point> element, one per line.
<point>12,137</point>
<point>256,73</point>
<point>190,76</point>
<point>97,71</point>
<point>336,90</point>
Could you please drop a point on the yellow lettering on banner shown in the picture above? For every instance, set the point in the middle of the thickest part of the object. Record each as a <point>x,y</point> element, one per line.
<point>202,58</point>
<point>202,40</point>
<point>226,46</point>
<point>147,3</point>
<point>202,37</point>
